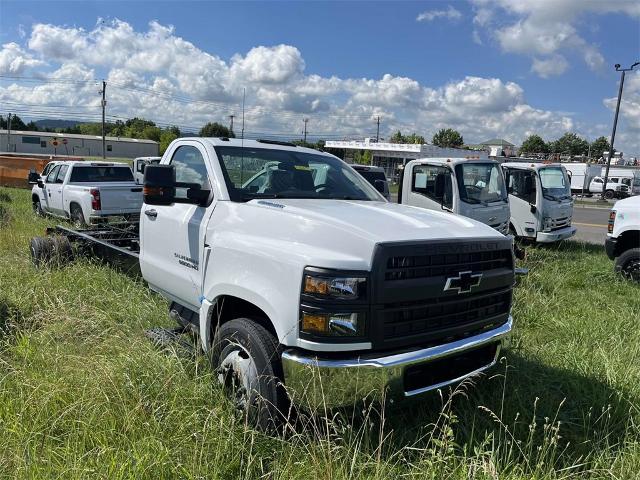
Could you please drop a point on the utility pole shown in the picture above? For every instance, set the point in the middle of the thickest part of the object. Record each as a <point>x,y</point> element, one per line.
<point>9,133</point>
<point>104,104</point>
<point>615,122</point>
<point>231,125</point>
<point>378,130</point>
<point>305,129</point>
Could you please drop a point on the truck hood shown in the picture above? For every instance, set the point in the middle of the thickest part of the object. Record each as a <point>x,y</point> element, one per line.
<point>335,233</point>
<point>628,204</point>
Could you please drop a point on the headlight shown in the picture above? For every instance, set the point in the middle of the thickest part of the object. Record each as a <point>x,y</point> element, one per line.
<point>325,286</point>
<point>333,324</point>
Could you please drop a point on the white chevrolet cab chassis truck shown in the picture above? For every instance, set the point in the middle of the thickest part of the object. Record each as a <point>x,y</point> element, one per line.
<point>306,285</point>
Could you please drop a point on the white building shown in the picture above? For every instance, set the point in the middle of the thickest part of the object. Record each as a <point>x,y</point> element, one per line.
<point>51,143</point>
<point>391,155</point>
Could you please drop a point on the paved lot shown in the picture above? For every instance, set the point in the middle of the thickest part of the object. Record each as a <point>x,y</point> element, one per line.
<point>591,224</point>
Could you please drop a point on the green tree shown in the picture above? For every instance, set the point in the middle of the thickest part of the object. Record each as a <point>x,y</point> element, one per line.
<point>362,157</point>
<point>167,136</point>
<point>16,123</point>
<point>570,144</point>
<point>534,144</point>
<point>215,130</point>
<point>448,138</point>
<point>415,139</point>
<point>599,146</point>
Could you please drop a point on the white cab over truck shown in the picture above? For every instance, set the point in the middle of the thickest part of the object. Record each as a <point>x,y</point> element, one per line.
<point>305,284</point>
<point>471,188</point>
<point>87,192</point>
<point>541,203</point>
<point>623,237</point>
<point>139,164</point>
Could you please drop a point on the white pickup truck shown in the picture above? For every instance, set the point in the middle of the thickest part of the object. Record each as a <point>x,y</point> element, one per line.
<point>623,237</point>
<point>306,285</point>
<point>87,192</point>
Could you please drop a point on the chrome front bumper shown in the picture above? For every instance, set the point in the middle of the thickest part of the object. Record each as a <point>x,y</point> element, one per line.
<point>556,235</point>
<point>326,383</point>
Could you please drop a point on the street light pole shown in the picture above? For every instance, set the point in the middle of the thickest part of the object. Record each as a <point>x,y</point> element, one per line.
<point>615,122</point>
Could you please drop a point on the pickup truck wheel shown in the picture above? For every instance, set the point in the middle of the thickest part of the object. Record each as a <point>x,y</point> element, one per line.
<point>609,194</point>
<point>37,208</point>
<point>77,217</point>
<point>246,360</point>
<point>628,263</point>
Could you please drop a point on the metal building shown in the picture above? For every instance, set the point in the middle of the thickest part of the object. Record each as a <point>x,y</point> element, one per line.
<point>50,143</point>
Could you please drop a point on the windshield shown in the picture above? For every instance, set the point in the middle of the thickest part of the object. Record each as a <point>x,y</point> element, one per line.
<point>101,174</point>
<point>554,182</point>
<point>269,173</point>
<point>480,183</point>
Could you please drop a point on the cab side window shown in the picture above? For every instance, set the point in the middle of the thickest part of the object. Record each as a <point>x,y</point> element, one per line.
<point>190,168</point>
<point>62,173</point>
<point>522,184</point>
<point>433,182</point>
<point>51,177</point>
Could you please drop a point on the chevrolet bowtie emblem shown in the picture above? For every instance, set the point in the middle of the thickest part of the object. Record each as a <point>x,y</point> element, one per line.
<point>463,283</point>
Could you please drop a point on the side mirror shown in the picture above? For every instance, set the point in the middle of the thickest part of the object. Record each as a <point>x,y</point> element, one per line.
<point>533,209</point>
<point>159,185</point>
<point>379,185</point>
<point>40,183</point>
<point>33,177</point>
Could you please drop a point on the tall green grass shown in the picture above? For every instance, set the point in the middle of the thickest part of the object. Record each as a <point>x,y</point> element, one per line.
<point>83,393</point>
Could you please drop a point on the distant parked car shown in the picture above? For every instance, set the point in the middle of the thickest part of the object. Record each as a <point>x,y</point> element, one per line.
<point>372,175</point>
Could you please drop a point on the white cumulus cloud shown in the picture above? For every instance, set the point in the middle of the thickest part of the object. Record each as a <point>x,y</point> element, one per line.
<point>450,13</point>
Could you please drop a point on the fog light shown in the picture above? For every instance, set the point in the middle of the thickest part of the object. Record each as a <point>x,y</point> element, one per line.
<point>333,324</point>
<point>314,323</point>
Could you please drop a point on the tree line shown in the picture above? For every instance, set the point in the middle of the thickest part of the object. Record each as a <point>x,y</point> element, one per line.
<point>567,144</point>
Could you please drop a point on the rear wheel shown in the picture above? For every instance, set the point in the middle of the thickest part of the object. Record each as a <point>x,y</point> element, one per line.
<point>609,194</point>
<point>77,217</point>
<point>628,263</point>
<point>246,360</point>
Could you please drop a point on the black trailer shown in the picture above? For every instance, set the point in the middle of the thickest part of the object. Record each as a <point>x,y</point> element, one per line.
<point>116,243</point>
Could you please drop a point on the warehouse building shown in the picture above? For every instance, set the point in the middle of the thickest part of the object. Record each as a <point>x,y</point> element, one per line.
<point>391,156</point>
<point>50,143</point>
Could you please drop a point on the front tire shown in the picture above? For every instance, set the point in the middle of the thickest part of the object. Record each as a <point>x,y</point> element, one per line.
<point>37,208</point>
<point>247,362</point>
<point>628,264</point>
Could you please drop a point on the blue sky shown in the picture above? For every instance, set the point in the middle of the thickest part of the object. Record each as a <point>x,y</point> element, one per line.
<point>463,64</point>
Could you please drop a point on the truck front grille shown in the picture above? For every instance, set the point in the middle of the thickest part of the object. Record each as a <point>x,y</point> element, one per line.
<point>425,266</point>
<point>441,318</point>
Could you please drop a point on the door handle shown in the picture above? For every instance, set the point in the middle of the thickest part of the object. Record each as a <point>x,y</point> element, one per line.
<point>151,213</point>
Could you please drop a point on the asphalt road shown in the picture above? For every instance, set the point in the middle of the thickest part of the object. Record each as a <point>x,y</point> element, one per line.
<point>591,224</point>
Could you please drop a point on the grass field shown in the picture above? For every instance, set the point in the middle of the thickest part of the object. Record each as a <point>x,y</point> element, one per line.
<point>83,394</point>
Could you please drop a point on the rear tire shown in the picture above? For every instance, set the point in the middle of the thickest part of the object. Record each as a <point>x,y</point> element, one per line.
<point>247,362</point>
<point>609,194</point>
<point>47,251</point>
<point>628,264</point>
<point>77,217</point>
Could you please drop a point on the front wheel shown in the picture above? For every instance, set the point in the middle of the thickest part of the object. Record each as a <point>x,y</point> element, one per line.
<point>37,208</point>
<point>247,362</point>
<point>628,263</point>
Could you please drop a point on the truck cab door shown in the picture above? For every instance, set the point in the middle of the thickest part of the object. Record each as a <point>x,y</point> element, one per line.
<point>430,186</point>
<point>48,188</point>
<point>521,185</point>
<point>172,237</point>
<point>55,191</point>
